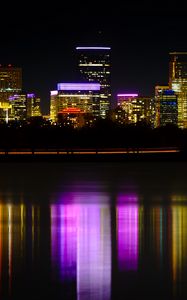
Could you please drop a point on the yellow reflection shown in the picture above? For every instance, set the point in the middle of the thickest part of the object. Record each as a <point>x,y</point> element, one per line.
<point>157,213</point>
<point>10,246</point>
<point>0,244</point>
<point>179,241</point>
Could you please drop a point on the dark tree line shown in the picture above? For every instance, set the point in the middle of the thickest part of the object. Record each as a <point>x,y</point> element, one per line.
<point>104,134</point>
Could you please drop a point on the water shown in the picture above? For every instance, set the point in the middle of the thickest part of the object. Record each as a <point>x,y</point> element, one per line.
<point>93,231</point>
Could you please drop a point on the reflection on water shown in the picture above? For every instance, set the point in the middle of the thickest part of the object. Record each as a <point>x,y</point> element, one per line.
<point>81,247</point>
<point>87,241</point>
<point>127,236</point>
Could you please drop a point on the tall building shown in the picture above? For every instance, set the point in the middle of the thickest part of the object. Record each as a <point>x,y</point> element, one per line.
<point>168,108</point>
<point>159,89</point>
<point>94,64</point>
<point>33,106</point>
<point>178,83</point>
<point>10,82</point>
<point>53,106</point>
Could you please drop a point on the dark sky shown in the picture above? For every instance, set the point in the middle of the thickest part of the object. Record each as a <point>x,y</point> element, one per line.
<point>42,40</point>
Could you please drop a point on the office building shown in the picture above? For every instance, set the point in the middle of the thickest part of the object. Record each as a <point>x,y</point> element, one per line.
<point>168,108</point>
<point>75,98</point>
<point>10,82</point>
<point>137,108</point>
<point>18,104</point>
<point>178,83</point>
<point>53,106</point>
<point>94,64</point>
<point>33,106</point>
<point>159,89</point>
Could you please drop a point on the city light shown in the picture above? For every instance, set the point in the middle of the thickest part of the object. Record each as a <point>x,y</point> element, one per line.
<point>93,48</point>
<point>78,86</point>
<point>127,95</point>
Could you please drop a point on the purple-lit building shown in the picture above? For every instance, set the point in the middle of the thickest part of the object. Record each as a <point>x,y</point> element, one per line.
<point>75,100</point>
<point>94,64</point>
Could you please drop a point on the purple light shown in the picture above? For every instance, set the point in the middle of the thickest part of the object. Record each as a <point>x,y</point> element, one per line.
<point>127,95</point>
<point>11,98</point>
<point>30,95</point>
<point>93,48</point>
<point>53,93</point>
<point>64,240</point>
<point>129,198</point>
<point>127,236</point>
<point>78,86</point>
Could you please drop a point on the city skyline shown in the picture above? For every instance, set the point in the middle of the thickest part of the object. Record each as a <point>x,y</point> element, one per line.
<point>140,38</point>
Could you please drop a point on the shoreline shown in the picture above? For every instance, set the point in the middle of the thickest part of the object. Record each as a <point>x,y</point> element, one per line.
<point>98,157</point>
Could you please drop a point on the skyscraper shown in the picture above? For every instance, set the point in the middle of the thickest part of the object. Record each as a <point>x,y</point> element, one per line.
<point>178,83</point>
<point>33,106</point>
<point>94,64</point>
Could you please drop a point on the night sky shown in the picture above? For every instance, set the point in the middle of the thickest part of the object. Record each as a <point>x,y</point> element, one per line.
<point>42,40</point>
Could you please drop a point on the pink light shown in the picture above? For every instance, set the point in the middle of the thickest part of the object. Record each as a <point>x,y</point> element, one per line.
<point>78,86</point>
<point>127,95</point>
<point>93,48</point>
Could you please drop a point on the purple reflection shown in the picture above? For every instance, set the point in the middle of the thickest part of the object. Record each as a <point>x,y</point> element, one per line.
<point>129,198</point>
<point>63,236</point>
<point>94,253</point>
<point>127,236</point>
<point>81,247</point>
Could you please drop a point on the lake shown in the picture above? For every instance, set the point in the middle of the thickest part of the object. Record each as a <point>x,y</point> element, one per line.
<point>75,230</point>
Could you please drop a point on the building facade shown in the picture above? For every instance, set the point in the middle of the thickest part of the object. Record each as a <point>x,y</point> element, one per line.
<point>159,89</point>
<point>19,109</point>
<point>168,108</point>
<point>10,82</point>
<point>33,106</point>
<point>137,108</point>
<point>75,99</point>
<point>94,64</point>
<point>178,83</point>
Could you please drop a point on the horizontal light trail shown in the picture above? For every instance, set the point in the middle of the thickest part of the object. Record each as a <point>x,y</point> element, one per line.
<point>89,152</point>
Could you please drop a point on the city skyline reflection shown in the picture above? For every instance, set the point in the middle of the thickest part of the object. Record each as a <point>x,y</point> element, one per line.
<point>90,242</point>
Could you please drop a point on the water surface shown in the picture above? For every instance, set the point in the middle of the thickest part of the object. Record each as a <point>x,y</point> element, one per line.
<point>93,230</point>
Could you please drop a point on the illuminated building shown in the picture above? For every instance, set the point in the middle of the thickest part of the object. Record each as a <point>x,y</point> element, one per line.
<point>33,106</point>
<point>75,99</point>
<point>136,108</point>
<point>158,94</point>
<point>18,103</point>
<point>53,106</point>
<point>94,64</point>
<point>178,83</point>
<point>5,111</point>
<point>10,82</point>
<point>168,110</point>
